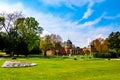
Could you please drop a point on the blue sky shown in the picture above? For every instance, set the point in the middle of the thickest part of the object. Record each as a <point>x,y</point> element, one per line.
<point>79,20</point>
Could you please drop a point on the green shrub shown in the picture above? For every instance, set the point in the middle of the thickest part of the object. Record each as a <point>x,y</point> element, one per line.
<point>102,55</point>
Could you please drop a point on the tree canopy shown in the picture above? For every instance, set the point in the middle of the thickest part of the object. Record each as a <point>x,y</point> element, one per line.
<point>114,43</point>
<point>50,42</point>
<point>22,33</point>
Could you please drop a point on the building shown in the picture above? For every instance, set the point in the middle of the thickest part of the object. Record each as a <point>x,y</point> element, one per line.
<point>68,46</point>
<point>71,49</point>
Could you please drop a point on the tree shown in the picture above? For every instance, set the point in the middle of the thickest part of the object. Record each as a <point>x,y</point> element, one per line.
<point>22,33</point>
<point>105,46</point>
<point>114,43</point>
<point>101,47</point>
<point>87,52</point>
<point>2,40</point>
<point>57,41</point>
<point>98,44</point>
<point>55,38</point>
<point>46,44</point>
<point>51,42</point>
<point>42,46</point>
<point>7,20</point>
<point>7,25</point>
<point>2,20</point>
<point>29,31</point>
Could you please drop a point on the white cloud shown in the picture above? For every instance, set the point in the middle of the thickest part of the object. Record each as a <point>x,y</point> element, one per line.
<point>45,32</point>
<point>80,34</point>
<point>87,13</point>
<point>4,7</point>
<point>112,17</point>
<point>65,2</point>
<point>89,10</point>
<point>69,3</point>
<point>91,23</point>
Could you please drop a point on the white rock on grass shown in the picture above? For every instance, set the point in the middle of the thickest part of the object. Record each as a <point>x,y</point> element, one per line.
<point>33,64</point>
<point>16,64</point>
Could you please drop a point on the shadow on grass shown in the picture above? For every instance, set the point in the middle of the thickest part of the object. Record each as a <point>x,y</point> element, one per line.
<point>52,57</point>
<point>35,56</point>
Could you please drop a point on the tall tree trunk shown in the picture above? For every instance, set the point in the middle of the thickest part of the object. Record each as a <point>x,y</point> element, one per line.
<point>26,54</point>
<point>45,54</point>
<point>117,53</point>
<point>17,54</point>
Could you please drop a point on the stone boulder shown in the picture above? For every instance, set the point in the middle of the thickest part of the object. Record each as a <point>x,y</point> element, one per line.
<point>17,64</point>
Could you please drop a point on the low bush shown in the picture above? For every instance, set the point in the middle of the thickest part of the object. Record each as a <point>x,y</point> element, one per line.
<point>105,55</point>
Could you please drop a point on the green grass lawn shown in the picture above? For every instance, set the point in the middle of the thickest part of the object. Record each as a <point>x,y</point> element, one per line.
<point>63,69</point>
